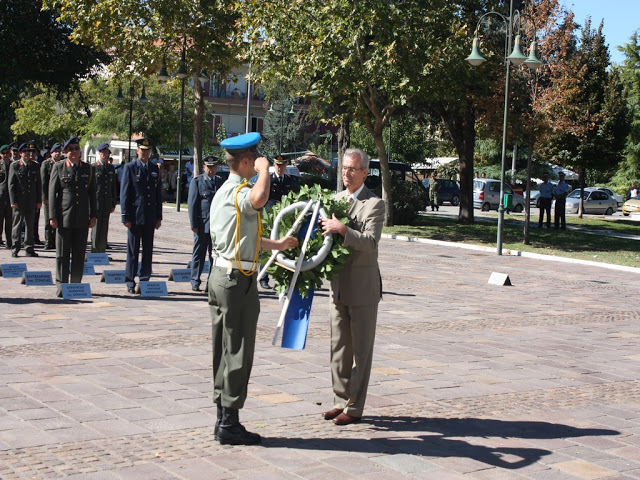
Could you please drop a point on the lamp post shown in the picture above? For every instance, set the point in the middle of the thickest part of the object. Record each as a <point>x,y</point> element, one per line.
<point>182,74</point>
<point>517,58</point>
<point>143,98</point>
<point>282,112</point>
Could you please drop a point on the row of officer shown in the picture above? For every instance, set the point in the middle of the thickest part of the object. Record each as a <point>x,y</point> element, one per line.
<point>55,155</point>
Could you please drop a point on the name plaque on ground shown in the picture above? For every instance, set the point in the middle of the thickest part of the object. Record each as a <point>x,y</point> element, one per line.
<point>153,289</point>
<point>32,279</point>
<point>72,291</point>
<point>113,276</point>
<point>88,269</point>
<point>98,258</point>
<point>180,275</point>
<point>13,270</point>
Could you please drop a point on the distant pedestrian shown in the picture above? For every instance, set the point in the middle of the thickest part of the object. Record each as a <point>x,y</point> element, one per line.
<point>72,212</point>
<point>5,204</point>
<point>434,187</point>
<point>545,200</point>
<point>106,198</point>
<point>201,193</point>
<point>25,193</point>
<point>560,192</point>
<point>141,205</point>
<point>45,176</point>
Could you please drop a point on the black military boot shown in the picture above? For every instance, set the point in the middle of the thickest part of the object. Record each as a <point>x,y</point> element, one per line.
<point>231,432</point>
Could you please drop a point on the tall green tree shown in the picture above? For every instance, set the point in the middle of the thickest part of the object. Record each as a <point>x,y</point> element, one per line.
<point>139,35</point>
<point>371,56</point>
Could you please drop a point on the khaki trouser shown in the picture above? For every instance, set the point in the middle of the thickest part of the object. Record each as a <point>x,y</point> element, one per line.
<point>234,308</point>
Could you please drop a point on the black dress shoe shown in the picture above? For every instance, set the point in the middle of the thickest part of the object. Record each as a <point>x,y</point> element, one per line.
<point>14,254</point>
<point>50,247</point>
<point>345,419</point>
<point>131,289</point>
<point>38,242</point>
<point>31,253</point>
<point>195,288</point>
<point>331,414</point>
<point>265,284</point>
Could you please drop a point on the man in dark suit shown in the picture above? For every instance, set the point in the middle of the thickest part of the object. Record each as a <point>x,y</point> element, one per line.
<point>201,191</point>
<point>72,212</point>
<point>141,205</point>
<point>45,176</point>
<point>355,291</point>
<point>106,197</point>
<point>25,194</point>
<point>5,204</point>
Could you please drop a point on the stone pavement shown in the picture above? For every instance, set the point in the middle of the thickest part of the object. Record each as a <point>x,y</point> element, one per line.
<point>539,380</point>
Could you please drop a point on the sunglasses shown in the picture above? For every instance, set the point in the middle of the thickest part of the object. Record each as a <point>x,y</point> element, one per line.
<point>74,149</point>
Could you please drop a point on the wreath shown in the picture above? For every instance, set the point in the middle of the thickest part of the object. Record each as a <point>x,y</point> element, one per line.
<point>337,255</point>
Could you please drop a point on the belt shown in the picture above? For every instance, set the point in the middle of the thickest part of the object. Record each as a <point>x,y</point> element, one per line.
<point>231,264</point>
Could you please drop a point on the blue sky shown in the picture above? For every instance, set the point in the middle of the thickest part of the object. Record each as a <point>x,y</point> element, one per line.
<point>621,19</point>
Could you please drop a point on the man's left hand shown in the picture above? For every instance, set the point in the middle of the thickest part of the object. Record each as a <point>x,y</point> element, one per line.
<point>333,225</point>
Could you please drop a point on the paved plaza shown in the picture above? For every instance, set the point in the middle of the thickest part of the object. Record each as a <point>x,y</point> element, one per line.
<point>538,380</point>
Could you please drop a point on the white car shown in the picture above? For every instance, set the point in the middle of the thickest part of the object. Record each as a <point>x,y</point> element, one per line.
<point>596,201</point>
<point>486,195</point>
<point>611,194</point>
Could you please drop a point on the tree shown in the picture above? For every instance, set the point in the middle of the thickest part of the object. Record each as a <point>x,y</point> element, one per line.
<point>585,109</point>
<point>36,51</point>
<point>372,55</point>
<point>139,35</point>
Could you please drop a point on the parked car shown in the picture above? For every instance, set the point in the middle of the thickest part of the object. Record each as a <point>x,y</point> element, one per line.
<point>596,201</point>
<point>449,191</point>
<point>486,195</point>
<point>631,206</point>
<point>534,200</point>
<point>612,194</point>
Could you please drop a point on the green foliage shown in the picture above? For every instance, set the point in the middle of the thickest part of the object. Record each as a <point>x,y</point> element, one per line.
<point>283,131</point>
<point>409,198</point>
<point>338,255</point>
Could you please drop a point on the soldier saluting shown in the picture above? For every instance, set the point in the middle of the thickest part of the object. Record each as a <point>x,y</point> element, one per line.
<point>25,193</point>
<point>72,211</point>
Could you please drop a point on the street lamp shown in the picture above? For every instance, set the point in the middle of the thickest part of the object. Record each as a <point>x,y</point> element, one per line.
<point>517,58</point>
<point>182,74</point>
<point>282,112</point>
<point>143,98</point>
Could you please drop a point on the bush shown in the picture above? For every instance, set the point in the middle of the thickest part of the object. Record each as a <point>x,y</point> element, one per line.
<point>409,198</point>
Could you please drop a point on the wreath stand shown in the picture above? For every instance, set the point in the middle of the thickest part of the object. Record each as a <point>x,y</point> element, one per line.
<point>294,318</point>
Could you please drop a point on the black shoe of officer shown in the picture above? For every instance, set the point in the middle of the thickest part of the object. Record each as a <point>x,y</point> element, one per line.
<point>231,432</point>
<point>14,253</point>
<point>31,253</point>
<point>264,283</point>
<point>50,247</point>
<point>218,420</point>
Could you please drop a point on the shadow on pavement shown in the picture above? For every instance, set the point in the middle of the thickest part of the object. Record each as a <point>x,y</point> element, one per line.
<point>445,439</point>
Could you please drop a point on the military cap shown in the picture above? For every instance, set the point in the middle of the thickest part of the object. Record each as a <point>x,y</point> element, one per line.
<point>13,145</point>
<point>144,143</point>
<point>71,141</point>
<point>30,145</point>
<point>280,160</point>
<point>4,147</point>
<point>561,173</point>
<point>104,146</point>
<point>241,143</point>
<point>210,160</point>
<point>55,147</point>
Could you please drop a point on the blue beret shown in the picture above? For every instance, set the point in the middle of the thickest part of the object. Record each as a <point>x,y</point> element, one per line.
<point>241,143</point>
<point>144,143</point>
<point>30,145</point>
<point>103,146</point>
<point>54,147</point>
<point>71,141</point>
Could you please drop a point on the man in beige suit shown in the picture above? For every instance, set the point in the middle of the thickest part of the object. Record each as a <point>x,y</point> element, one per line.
<point>355,292</point>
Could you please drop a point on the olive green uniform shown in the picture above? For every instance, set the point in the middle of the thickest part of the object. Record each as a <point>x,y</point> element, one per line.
<point>45,177</point>
<point>233,297</point>
<point>5,205</point>
<point>72,201</point>
<point>25,190</point>
<point>434,186</point>
<point>106,195</point>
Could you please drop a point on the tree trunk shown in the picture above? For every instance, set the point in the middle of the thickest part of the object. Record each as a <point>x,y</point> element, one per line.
<point>344,141</point>
<point>581,173</point>
<point>385,171</point>
<point>460,124</point>
<point>198,126</point>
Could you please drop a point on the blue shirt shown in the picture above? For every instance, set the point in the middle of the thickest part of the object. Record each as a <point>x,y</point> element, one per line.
<point>546,190</point>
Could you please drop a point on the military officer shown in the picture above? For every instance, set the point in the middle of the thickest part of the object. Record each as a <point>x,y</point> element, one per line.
<point>106,197</point>
<point>141,205</point>
<point>45,175</point>
<point>25,194</point>
<point>201,193</point>
<point>15,154</point>
<point>233,294</point>
<point>72,212</point>
<point>5,204</point>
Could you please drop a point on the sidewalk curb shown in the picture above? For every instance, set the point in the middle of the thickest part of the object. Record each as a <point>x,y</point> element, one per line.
<point>515,253</point>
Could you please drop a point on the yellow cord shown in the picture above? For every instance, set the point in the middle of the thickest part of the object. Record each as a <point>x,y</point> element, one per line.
<point>256,257</point>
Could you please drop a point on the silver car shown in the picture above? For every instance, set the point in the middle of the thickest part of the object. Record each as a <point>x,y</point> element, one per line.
<point>596,201</point>
<point>486,195</point>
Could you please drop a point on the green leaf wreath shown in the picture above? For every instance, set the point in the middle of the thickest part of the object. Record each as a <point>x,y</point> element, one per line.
<point>338,255</point>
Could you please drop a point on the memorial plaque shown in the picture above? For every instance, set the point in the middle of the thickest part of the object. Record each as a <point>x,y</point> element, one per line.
<point>113,276</point>
<point>98,258</point>
<point>36,279</point>
<point>153,289</point>
<point>13,270</point>
<point>88,269</point>
<point>71,291</point>
<point>180,275</point>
